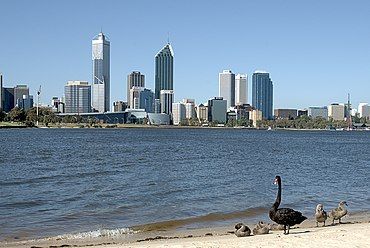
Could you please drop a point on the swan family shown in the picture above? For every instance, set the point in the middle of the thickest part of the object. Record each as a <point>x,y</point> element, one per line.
<point>287,217</point>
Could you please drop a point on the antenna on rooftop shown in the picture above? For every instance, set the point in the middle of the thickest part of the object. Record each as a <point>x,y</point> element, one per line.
<point>168,37</point>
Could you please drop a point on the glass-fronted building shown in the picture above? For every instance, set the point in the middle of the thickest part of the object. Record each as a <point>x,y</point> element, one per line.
<point>77,97</point>
<point>164,70</point>
<point>101,73</point>
<point>262,94</point>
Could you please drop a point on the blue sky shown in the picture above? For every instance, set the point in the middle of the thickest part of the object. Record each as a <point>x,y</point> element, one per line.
<point>316,51</point>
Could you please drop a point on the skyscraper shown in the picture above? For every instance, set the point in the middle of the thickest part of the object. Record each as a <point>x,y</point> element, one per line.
<point>134,79</point>
<point>241,89</point>
<point>226,81</point>
<point>164,70</point>
<point>101,73</point>
<point>77,97</point>
<point>262,93</point>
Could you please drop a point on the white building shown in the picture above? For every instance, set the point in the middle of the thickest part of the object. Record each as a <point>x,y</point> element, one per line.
<point>166,98</point>
<point>364,110</point>
<point>336,112</point>
<point>226,81</point>
<point>190,108</point>
<point>315,112</point>
<point>241,89</point>
<point>255,115</point>
<point>77,97</point>
<point>101,73</point>
<point>178,112</point>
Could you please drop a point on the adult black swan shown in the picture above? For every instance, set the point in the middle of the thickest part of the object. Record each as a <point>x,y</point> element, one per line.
<point>284,216</point>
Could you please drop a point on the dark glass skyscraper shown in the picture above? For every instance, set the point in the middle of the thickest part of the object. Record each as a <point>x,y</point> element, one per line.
<point>262,93</point>
<point>163,70</point>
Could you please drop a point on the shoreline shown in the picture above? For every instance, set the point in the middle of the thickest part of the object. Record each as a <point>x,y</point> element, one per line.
<point>139,126</point>
<point>219,237</point>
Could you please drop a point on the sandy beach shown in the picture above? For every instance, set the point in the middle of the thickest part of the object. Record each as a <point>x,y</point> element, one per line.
<point>354,232</point>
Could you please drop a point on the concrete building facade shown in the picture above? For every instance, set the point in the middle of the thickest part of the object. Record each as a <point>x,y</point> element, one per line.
<point>226,81</point>
<point>241,89</point>
<point>336,112</point>
<point>77,97</point>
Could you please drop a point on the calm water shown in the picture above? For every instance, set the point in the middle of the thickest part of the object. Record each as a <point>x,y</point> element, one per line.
<point>78,180</point>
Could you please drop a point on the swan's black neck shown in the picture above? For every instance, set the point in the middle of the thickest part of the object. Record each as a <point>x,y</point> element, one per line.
<point>278,196</point>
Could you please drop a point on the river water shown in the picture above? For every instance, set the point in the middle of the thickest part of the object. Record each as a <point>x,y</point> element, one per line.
<point>68,181</point>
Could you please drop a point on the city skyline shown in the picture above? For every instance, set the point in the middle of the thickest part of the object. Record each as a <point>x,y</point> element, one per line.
<point>322,69</point>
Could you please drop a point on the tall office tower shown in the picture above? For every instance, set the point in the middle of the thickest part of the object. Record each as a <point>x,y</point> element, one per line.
<point>226,81</point>
<point>77,97</point>
<point>166,101</point>
<point>178,112</point>
<point>1,93</point>
<point>134,79</point>
<point>164,70</point>
<point>101,73</point>
<point>262,93</point>
<point>20,91</point>
<point>241,89</point>
<point>217,108</point>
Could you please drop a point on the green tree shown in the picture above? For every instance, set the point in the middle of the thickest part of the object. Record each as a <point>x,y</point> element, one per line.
<point>17,115</point>
<point>2,115</point>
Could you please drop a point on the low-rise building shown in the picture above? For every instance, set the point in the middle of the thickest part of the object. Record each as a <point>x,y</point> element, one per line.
<point>315,112</point>
<point>336,112</point>
<point>255,115</point>
<point>202,113</point>
<point>285,113</point>
<point>364,110</point>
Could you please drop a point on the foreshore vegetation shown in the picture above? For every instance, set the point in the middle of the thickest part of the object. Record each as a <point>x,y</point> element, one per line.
<point>17,117</point>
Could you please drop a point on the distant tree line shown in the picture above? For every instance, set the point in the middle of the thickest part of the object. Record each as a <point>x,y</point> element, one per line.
<point>45,117</point>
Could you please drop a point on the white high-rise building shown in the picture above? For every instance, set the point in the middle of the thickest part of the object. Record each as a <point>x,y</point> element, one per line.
<point>190,108</point>
<point>178,112</point>
<point>226,81</point>
<point>241,89</point>
<point>166,97</point>
<point>336,112</point>
<point>364,110</point>
<point>77,97</point>
<point>101,73</point>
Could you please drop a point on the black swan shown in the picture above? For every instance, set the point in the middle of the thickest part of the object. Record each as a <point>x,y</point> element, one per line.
<point>261,228</point>
<point>242,230</point>
<point>284,216</point>
<point>339,212</point>
<point>320,214</point>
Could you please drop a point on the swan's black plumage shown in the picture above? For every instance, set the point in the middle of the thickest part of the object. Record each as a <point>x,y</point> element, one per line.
<point>284,216</point>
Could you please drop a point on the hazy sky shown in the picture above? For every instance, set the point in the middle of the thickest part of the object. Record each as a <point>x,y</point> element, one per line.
<point>316,51</point>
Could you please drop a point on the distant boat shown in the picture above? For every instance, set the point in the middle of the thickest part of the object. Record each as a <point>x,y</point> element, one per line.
<point>269,129</point>
<point>339,129</point>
